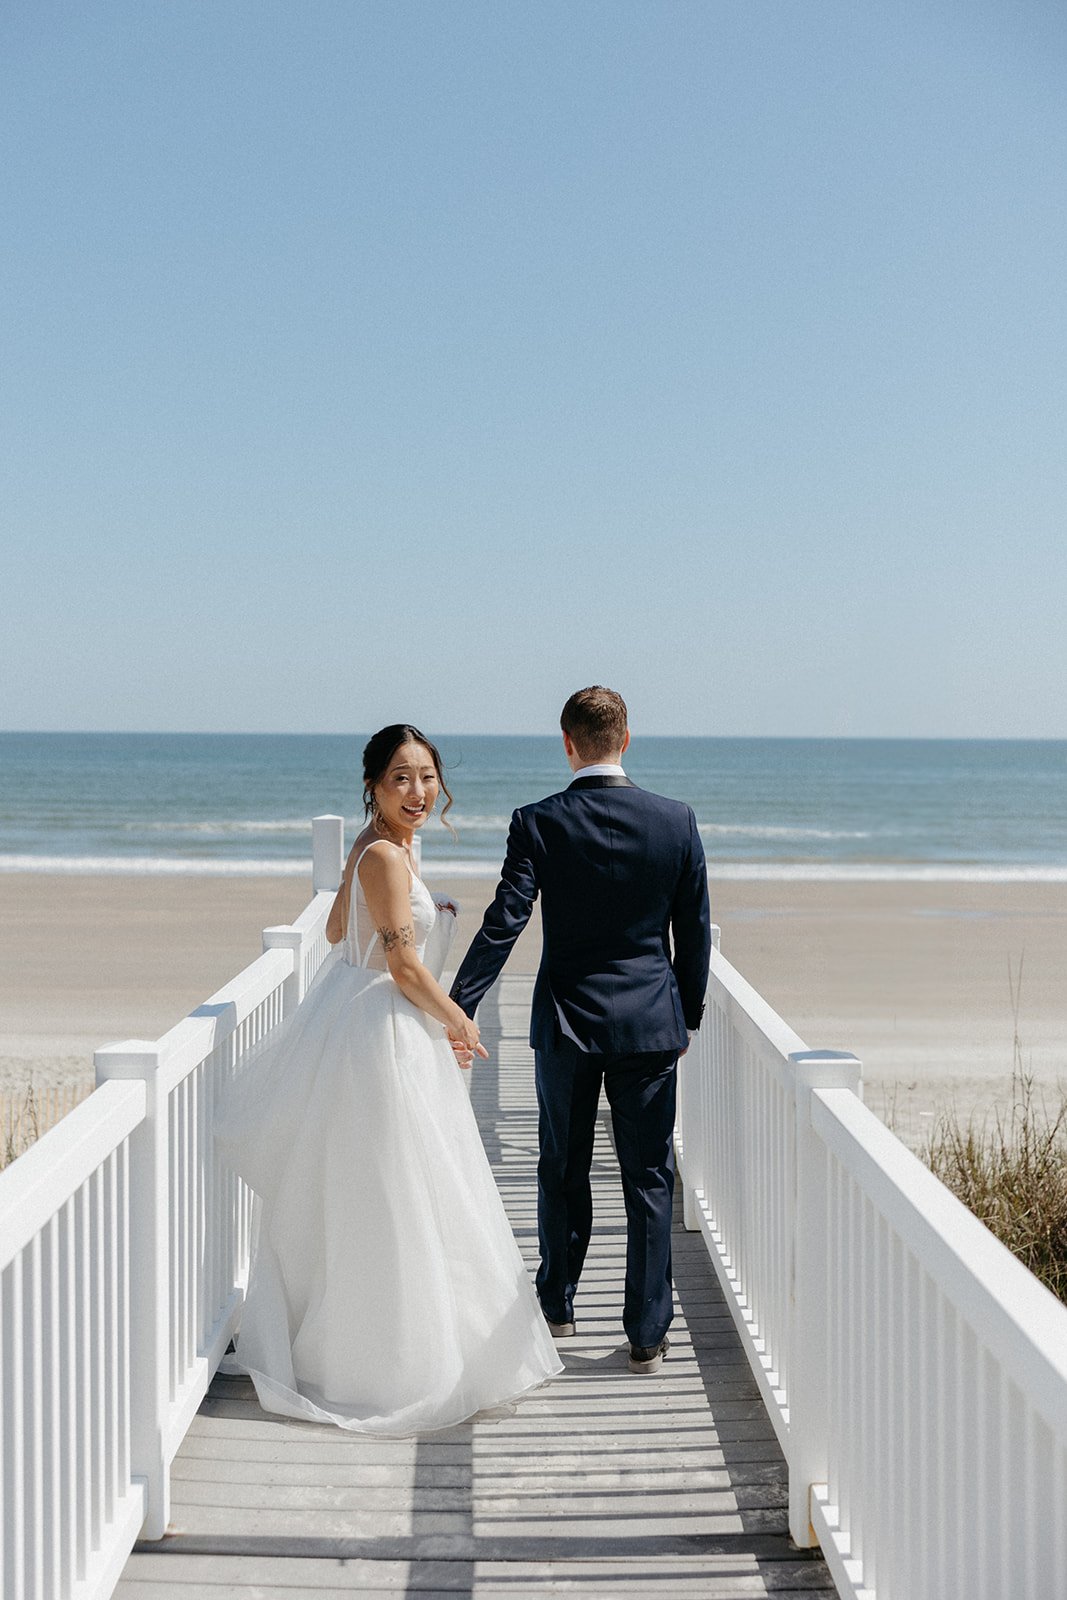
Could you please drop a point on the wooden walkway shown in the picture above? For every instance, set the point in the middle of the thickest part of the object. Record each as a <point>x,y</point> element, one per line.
<point>600,1485</point>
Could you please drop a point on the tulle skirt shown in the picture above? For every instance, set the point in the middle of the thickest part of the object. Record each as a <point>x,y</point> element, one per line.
<point>386,1292</point>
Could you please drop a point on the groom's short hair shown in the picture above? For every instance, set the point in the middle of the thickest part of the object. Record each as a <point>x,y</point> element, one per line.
<point>595,721</point>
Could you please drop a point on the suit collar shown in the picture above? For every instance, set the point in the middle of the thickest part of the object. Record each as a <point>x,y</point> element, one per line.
<point>608,780</point>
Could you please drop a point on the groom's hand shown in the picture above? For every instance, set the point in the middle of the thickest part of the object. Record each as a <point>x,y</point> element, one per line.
<point>465,1053</point>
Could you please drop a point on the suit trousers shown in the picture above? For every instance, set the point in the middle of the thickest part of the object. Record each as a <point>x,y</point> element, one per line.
<point>641,1094</point>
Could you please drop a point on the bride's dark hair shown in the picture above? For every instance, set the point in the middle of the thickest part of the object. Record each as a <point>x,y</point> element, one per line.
<point>379,752</point>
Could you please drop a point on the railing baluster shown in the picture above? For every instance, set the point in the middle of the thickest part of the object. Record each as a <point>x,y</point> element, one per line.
<point>187,1302</point>
<point>68,1403</point>
<point>971,1439</point>
<point>52,1466</point>
<point>15,1523</point>
<point>112,1486</point>
<point>946,1448</point>
<point>34,1419</point>
<point>97,1358</point>
<point>123,1291</point>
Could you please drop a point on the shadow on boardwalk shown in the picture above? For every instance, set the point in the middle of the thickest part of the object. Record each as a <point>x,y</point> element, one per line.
<point>599,1485</point>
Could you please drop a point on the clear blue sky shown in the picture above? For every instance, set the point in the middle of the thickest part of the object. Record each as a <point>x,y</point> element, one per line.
<point>368,359</point>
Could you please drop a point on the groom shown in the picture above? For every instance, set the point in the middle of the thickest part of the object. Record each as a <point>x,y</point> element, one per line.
<point>621,876</point>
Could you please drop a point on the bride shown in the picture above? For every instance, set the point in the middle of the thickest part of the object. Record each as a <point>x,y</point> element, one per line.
<point>386,1292</point>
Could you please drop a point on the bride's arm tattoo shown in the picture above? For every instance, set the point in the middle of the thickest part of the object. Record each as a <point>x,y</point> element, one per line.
<point>393,938</point>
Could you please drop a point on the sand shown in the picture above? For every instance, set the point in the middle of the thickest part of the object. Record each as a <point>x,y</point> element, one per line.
<point>914,978</point>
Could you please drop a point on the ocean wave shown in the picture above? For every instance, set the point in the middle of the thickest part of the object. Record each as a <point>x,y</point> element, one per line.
<point>496,824</point>
<point>814,872</point>
<point>882,872</point>
<point>436,868</point>
<point>491,823</point>
<point>219,830</point>
<point>158,866</point>
<point>206,828</point>
<point>752,830</point>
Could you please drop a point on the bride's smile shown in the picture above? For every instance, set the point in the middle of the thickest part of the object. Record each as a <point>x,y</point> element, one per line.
<point>407,794</point>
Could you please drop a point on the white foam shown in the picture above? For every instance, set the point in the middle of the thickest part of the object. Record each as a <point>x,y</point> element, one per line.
<point>815,871</point>
<point>157,866</point>
<point>219,830</point>
<point>881,872</point>
<point>752,830</point>
<point>435,867</point>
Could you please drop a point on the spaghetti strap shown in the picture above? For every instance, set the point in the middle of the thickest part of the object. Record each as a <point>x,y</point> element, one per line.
<point>366,847</point>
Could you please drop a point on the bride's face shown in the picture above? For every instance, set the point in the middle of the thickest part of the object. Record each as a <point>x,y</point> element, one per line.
<point>408,790</point>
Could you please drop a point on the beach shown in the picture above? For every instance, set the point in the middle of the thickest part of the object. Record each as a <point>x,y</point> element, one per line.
<point>914,978</point>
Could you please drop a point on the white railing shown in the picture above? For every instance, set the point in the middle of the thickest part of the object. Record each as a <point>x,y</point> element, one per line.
<point>124,1253</point>
<point>915,1372</point>
<point>72,1504</point>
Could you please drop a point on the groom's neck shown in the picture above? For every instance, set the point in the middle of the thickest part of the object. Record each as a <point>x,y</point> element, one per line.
<point>578,759</point>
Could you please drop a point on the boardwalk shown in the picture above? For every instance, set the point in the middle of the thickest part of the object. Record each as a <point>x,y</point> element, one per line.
<point>602,1484</point>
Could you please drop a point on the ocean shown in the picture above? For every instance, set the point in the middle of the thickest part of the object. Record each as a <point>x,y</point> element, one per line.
<point>222,804</point>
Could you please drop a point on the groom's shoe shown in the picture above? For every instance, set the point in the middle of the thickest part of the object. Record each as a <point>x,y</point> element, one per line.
<point>646,1359</point>
<point>560,1330</point>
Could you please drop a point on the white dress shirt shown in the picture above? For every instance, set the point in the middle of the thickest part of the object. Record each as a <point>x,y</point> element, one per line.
<point>600,769</point>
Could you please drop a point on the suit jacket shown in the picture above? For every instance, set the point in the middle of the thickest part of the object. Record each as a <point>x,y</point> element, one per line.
<point>620,872</point>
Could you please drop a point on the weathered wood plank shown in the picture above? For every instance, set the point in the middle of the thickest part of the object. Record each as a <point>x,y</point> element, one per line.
<point>249,1578</point>
<point>628,1477</point>
<point>760,1541</point>
<point>796,1572</point>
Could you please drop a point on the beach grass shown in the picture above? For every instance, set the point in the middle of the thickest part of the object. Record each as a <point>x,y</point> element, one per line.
<point>28,1112</point>
<point>1012,1171</point>
<point>1013,1176</point>
<point>21,1125</point>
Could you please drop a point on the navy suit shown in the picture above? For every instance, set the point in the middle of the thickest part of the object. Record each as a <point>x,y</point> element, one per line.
<point>621,873</point>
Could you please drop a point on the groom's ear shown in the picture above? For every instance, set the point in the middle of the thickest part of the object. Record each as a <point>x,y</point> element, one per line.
<point>625,743</point>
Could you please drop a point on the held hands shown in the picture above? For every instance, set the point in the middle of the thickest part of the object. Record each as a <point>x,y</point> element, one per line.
<point>466,1043</point>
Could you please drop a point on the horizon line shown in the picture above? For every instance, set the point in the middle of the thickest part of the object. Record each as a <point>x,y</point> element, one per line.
<point>470,733</point>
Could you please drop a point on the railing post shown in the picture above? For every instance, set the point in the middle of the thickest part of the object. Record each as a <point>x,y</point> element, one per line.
<point>288,938</point>
<point>327,852</point>
<point>150,1392</point>
<point>809,1389</point>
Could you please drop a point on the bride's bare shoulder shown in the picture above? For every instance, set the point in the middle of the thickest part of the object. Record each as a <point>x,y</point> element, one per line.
<point>380,861</point>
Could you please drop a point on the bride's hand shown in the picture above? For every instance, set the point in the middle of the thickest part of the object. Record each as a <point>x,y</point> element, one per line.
<point>466,1042</point>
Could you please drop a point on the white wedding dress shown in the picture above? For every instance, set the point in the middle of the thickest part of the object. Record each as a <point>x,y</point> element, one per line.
<point>386,1292</point>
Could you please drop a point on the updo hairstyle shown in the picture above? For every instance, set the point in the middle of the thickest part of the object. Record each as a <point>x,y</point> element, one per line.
<point>379,752</point>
